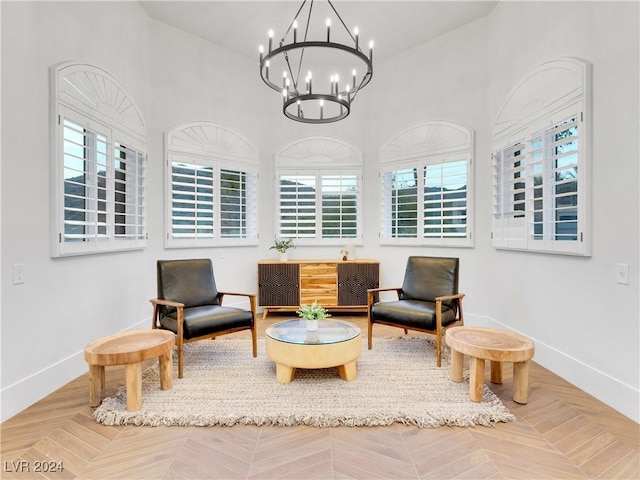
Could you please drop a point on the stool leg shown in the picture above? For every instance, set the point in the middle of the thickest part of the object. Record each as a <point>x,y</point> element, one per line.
<point>456,365</point>
<point>496,371</point>
<point>96,384</point>
<point>166,371</point>
<point>520,381</point>
<point>476,378</point>
<point>133,377</point>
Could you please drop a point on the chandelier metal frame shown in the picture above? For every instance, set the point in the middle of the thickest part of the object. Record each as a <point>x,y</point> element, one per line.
<point>296,95</point>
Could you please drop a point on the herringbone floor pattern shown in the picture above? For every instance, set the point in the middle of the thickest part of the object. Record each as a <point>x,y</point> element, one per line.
<point>562,433</point>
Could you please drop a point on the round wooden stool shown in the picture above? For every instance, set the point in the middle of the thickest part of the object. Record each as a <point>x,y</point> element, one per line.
<point>497,346</point>
<point>129,349</point>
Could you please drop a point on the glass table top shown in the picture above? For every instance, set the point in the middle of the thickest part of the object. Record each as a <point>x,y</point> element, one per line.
<point>329,331</point>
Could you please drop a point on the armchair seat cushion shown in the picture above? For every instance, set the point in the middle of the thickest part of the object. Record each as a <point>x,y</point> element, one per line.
<point>208,319</point>
<point>414,314</point>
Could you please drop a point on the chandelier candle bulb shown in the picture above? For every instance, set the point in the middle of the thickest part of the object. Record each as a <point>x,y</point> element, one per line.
<point>354,77</point>
<point>355,32</point>
<point>371,51</point>
<point>270,39</point>
<point>321,109</point>
<point>267,69</point>
<point>328,29</point>
<point>261,50</point>
<point>295,31</point>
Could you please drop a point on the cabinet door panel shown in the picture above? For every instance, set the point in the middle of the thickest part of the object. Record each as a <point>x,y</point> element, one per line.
<point>354,279</point>
<point>278,284</point>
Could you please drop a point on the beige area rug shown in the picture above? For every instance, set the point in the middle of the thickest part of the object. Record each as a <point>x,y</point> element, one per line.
<point>397,381</point>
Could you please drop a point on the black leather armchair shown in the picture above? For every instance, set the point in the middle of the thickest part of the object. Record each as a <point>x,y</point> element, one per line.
<point>190,305</point>
<point>428,300</point>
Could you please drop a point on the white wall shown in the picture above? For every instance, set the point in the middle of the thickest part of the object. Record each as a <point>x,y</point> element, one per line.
<point>584,325</point>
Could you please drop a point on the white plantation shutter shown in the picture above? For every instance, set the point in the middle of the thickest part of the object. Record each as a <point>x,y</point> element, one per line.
<point>297,206</point>
<point>340,199</point>
<point>237,204</point>
<point>400,203</point>
<point>103,198</point>
<point>445,199</point>
<point>436,216</point>
<point>553,185</point>
<point>192,200</point>
<point>209,204</point>
<point>129,201</point>
<point>509,196</point>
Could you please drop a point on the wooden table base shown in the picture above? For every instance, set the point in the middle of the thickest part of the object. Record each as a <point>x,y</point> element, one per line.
<point>497,346</point>
<point>289,356</point>
<point>129,349</point>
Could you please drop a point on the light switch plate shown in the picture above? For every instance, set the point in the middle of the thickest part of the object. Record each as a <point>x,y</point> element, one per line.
<point>622,273</point>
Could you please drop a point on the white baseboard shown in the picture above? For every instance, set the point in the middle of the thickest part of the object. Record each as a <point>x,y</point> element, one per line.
<point>618,395</point>
<point>27,391</point>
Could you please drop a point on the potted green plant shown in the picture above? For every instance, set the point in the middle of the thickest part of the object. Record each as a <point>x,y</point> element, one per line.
<point>281,246</point>
<point>311,314</point>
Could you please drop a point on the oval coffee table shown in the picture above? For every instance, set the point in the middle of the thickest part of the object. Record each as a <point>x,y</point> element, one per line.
<point>129,349</point>
<point>335,344</point>
<point>495,345</point>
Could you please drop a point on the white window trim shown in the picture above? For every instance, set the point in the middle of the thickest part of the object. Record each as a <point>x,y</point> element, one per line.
<point>569,95</point>
<point>93,98</point>
<point>320,156</point>
<point>428,143</point>
<point>214,145</point>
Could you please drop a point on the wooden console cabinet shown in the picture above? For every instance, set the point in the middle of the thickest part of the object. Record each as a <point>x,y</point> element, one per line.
<point>336,285</point>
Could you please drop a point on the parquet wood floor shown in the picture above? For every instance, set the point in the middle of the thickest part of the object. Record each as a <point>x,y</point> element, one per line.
<point>562,433</point>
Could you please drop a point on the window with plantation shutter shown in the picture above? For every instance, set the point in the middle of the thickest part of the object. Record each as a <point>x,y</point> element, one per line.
<point>99,164</point>
<point>426,184</point>
<point>212,185</point>
<point>540,181</point>
<point>319,192</point>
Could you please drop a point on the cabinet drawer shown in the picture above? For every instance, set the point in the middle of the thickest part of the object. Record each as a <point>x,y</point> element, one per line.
<point>319,269</point>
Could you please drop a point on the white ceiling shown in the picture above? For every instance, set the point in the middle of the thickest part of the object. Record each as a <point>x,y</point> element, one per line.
<point>241,26</point>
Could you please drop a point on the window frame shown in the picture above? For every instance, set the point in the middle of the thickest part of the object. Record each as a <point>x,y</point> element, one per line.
<point>533,230</point>
<point>432,143</point>
<point>319,156</point>
<point>208,144</point>
<point>120,131</point>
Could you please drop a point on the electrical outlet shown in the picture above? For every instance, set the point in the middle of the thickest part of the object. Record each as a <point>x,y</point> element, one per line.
<point>622,273</point>
<point>18,273</point>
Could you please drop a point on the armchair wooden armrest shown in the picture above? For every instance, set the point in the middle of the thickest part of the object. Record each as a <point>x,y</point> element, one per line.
<point>251,296</point>
<point>444,298</point>
<point>167,303</point>
<point>371,293</point>
<point>157,302</point>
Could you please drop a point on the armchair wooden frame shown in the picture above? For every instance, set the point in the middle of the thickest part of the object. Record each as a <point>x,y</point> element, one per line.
<point>180,340</point>
<point>438,332</point>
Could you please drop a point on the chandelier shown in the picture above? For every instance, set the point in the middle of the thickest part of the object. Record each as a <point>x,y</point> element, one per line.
<point>318,78</point>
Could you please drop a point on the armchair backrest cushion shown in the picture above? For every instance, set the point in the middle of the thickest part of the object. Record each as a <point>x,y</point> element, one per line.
<point>187,281</point>
<point>426,278</point>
